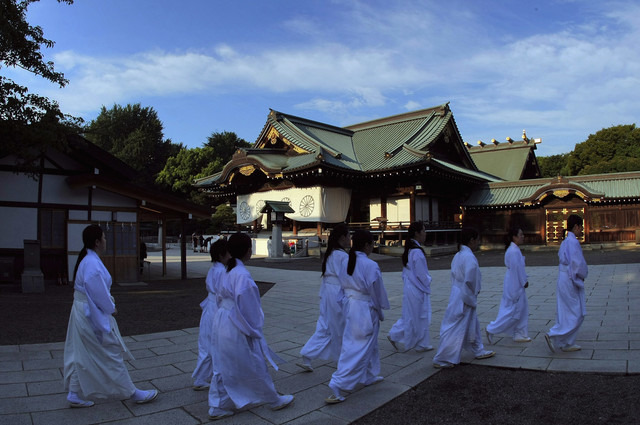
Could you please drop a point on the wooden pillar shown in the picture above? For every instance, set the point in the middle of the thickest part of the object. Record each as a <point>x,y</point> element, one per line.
<point>183,250</point>
<point>295,227</point>
<point>319,228</point>
<point>412,206</point>
<point>383,207</point>
<point>163,241</point>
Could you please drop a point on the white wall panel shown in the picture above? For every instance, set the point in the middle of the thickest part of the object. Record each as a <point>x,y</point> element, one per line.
<point>16,225</point>
<point>18,187</point>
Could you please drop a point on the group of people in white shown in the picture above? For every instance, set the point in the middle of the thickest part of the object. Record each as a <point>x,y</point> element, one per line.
<point>233,353</point>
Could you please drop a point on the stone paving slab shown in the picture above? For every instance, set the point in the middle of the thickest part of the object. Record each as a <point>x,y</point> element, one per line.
<point>31,389</point>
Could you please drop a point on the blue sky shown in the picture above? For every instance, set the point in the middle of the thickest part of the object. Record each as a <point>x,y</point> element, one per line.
<point>559,69</point>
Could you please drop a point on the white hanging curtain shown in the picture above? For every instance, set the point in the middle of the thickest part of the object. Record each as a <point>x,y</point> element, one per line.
<point>327,205</point>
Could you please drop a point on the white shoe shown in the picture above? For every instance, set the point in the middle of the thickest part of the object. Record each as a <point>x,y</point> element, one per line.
<point>305,366</point>
<point>283,401</point>
<point>522,339</point>
<point>489,336</point>
<point>395,347</point>
<point>569,348</point>
<point>216,413</point>
<point>424,349</point>
<point>549,343</point>
<point>485,355</point>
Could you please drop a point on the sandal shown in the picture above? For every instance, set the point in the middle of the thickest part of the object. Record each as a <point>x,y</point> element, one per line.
<point>334,399</point>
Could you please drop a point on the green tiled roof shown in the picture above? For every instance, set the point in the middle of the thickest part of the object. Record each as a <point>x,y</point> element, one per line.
<point>605,186</point>
<point>382,144</point>
<point>507,164</point>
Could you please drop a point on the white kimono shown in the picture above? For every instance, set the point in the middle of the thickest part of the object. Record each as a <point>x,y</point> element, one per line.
<point>366,297</point>
<point>93,360</point>
<point>571,307</point>
<point>326,342</point>
<point>412,329</point>
<point>240,375</point>
<point>513,316</point>
<point>203,372</point>
<point>460,327</point>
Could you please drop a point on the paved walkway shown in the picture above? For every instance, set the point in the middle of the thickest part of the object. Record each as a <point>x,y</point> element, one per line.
<point>31,375</point>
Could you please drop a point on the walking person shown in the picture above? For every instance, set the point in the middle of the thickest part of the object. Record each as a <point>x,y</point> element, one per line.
<point>240,375</point>
<point>366,297</point>
<point>326,342</point>
<point>204,368</point>
<point>571,304</point>
<point>94,366</point>
<point>460,328</point>
<point>412,329</point>
<point>513,316</point>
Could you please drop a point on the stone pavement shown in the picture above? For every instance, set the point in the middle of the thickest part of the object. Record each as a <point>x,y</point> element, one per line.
<point>31,375</point>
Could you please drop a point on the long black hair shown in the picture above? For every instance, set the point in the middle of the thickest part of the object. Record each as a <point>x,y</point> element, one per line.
<point>218,250</point>
<point>409,244</point>
<point>338,231</point>
<point>513,232</point>
<point>359,240</point>
<point>572,220</point>
<point>465,236</point>
<point>238,245</point>
<point>90,235</point>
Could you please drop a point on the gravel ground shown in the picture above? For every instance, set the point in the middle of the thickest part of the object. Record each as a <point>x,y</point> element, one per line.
<point>467,394</point>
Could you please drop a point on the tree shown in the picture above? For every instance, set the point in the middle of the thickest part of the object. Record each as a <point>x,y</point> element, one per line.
<point>181,170</point>
<point>609,150</point>
<point>223,219</point>
<point>225,144</point>
<point>29,123</point>
<point>135,135</point>
<point>551,166</point>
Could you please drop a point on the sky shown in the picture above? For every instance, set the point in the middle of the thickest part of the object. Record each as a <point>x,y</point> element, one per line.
<point>559,69</point>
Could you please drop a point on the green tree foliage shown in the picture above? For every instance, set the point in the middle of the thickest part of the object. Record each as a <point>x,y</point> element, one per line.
<point>609,150</point>
<point>182,169</point>
<point>551,166</point>
<point>135,135</point>
<point>223,219</point>
<point>225,144</point>
<point>29,123</point>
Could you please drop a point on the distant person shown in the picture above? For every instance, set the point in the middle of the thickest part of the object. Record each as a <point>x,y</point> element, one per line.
<point>571,308</point>
<point>460,328</point>
<point>412,329</point>
<point>513,316</point>
<point>203,371</point>
<point>194,242</point>
<point>240,375</point>
<point>94,366</point>
<point>326,342</point>
<point>366,297</point>
<point>201,243</point>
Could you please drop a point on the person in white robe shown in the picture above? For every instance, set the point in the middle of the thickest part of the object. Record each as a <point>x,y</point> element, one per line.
<point>513,315</point>
<point>240,375</point>
<point>204,367</point>
<point>571,304</point>
<point>460,328</point>
<point>412,329</point>
<point>326,342</point>
<point>94,365</point>
<point>366,298</point>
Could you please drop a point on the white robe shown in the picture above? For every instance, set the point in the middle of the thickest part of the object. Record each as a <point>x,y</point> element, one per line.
<point>513,316</point>
<point>93,352</point>
<point>326,342</point>
<point>412,329</point>
<point>204,371</point>
<point>366,297</point>
<point>460,327</point>
<point>240,375</point>
<point>571,307</point>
